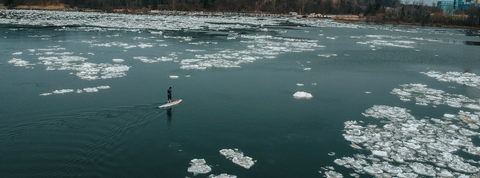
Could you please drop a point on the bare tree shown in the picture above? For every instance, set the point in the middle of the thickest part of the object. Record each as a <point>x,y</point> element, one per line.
<point>302,3</point>
<point>174,4</point>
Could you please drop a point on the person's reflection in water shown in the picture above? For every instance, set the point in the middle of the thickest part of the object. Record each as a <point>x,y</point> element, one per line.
<point>169,115</point>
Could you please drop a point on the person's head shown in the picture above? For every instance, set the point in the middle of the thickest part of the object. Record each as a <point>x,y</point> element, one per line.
<point>170,87</point>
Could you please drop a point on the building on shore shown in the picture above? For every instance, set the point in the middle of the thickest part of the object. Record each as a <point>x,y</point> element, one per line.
<point>455,6</point>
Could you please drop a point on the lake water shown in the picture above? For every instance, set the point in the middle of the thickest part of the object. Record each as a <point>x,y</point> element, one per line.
<point>80,92</point>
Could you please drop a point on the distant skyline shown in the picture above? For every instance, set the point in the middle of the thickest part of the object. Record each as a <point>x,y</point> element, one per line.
<point>427,2</point>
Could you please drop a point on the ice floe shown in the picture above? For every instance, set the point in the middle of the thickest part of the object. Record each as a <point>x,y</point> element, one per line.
<point>425,96</point>
<point>222,176</point>
<point>394,43</point>
<point>260,46</point>
<point>199,166</point>
<point>266,47</point>
<point>463,78</point>
<point>88,90</point>
<point>145,59</point>
<point>85,70</point>
<point>302,94</point>
<point>117,60</point>
<point>327,55</point>
<point>63,91</point>
<point>237,157</point>
<point>409,147</point>
<point>20,63</point>
<point>333,174</point>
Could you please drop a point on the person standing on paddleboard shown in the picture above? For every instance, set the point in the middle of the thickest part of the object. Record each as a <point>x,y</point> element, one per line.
<point>169,91</point>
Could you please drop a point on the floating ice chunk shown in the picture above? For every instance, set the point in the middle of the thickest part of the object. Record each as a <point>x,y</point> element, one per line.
<point>356,139</point>
<point>467,132</point>
<point>301,94</point>
<point>390,168</point>
<point>198,166</point>
<point>237,157</point>
<point>472,106</point>
<point>19,62</point>
<point>445,173</point>
<point>173,76</point>
<point>425,96</point>
<point>222,176</point>
<point>103,87</point>
<point>333,174</point>
<point>412,145</point>
<point>145,59</point>
<point>473,126</point>
<point>89,90</point>
<point>92,89</point>
<point>340,162</point>
<point>62,91</point>
<point>392,113</point>
<point>17,53</point>
<point>156,32</point>
<point>409,128</point>
<point>367,92</point>
<point>442,147</point>
<point>458,165</point>
<point>425,139</point>
<point>145,45</point>
<point>164,59</point>
<point>327,55</point>
<point>472,150</point>
<point>300,84</point>
<point>407,175</point>
<point>307,69</point>
<point>469,79</point>
<point>379,153</point>
<point>421,169</point>
<point>117,60</point>
<point>391,43</point>
<point>331,154</point>
<point>354,132</point>
<point>372,170</point>
<point>449,115</point>
<point>425,145</point>
<point>195,50</point>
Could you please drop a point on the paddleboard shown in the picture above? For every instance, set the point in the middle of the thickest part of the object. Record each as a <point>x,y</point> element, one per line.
<point>170,104</point>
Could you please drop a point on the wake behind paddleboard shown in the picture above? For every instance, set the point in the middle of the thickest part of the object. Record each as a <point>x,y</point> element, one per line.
<point>170,104</point>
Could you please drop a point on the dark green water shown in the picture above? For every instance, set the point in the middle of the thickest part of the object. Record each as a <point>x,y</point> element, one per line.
<point>120,132</point>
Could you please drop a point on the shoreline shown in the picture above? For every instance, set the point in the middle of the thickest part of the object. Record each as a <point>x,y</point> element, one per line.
<point>61,7</point>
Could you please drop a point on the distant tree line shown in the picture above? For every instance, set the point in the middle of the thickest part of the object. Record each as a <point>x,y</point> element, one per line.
<point>378,11</point>
<point>270,6</point>
<point>420,14</point>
